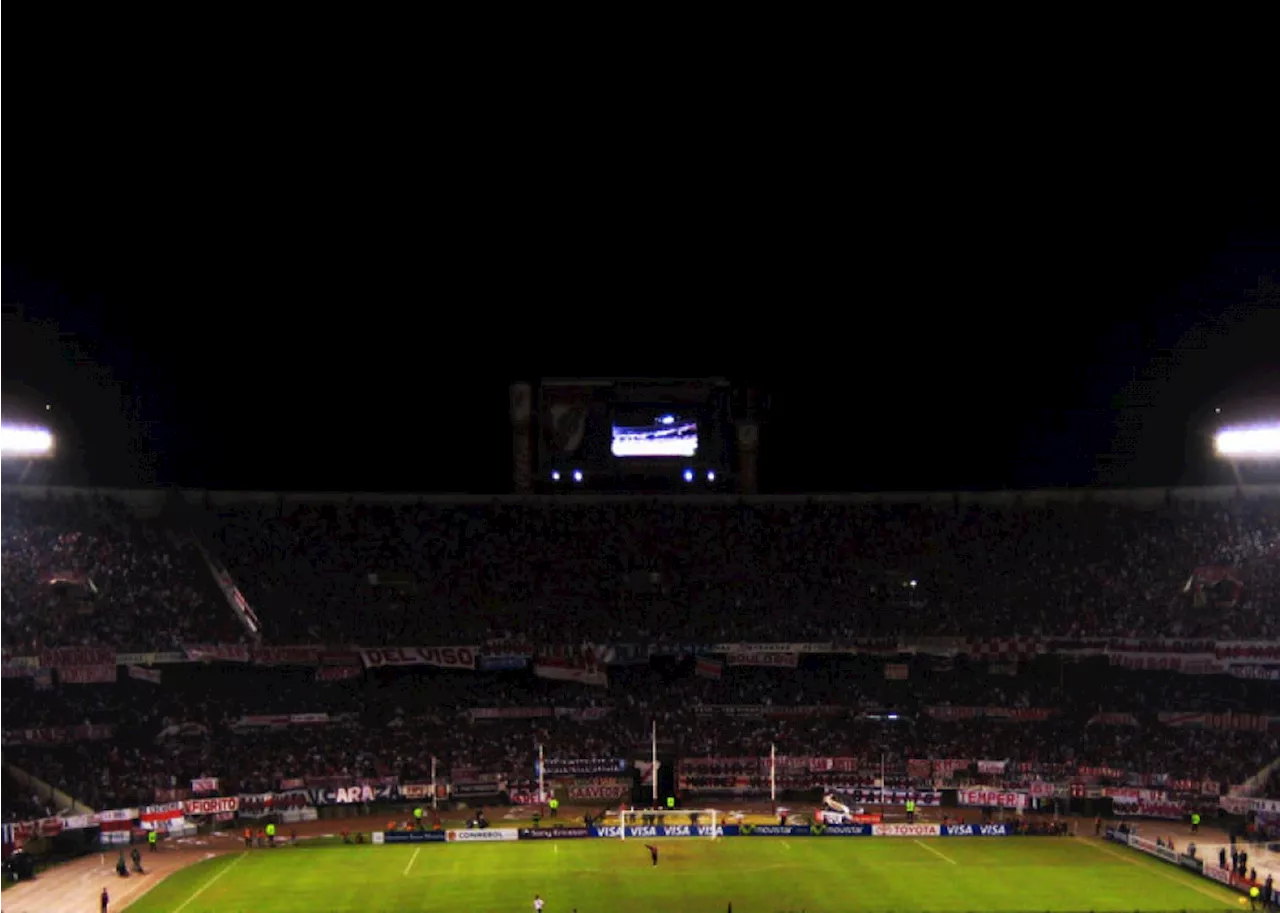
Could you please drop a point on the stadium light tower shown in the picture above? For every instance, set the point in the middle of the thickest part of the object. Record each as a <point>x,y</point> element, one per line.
<point>1252,443</point>
<point>25,444</point>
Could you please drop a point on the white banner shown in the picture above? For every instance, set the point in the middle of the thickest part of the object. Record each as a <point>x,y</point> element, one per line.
<point>486,835</point>
<point>772,648</point>
<point>990,797</point>
<point>906,830</point>
<point>204,785</point>
<point>992,767</point>
<point>582,675</point>
<point>145,675</point>
<point>211,806</point>
<point>444,657</point>
<point>780,660</point>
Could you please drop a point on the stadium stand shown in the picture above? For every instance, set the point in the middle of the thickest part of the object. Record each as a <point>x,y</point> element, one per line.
<point>995,582</point>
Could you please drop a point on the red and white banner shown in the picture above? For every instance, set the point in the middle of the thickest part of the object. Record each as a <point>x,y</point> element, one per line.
<point>279,720</point>
<point>1132,794</point>
<point>63,657</point>
<point>1149,809</point>
<point>596,793</point>
<point>145,675</point>
<point>1038,789</point>
<point>1246,651</point>
<point>1266,673</point>
<point>582,669</point>
<point>87,675</point>
<point>705,667</point>
<point>990,797</point>
<point>58,735</point>
<point>992,767</point>
<point>906,830</point>
<point>1113,719</point>
<point>779,660</point>
<point>1186,663</point>
<point>510,713</point>
<point>166,812</point>
<point>896,672</point>
<point>338,673</point>
<point>1246,722</point>
<point>443,657</point>
<point>204,785</point>
<point>288,656</point>
<point>211,806</point>
<point>1016,714</point>
<point>233,653</point>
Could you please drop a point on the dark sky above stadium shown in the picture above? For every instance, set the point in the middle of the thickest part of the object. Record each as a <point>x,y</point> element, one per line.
<point>243,323</point>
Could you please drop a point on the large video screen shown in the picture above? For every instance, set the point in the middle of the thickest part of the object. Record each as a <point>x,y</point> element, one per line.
<point>654,433</point>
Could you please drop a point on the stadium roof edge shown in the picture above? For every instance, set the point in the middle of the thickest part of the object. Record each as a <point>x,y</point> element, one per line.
<point>1137,497</point>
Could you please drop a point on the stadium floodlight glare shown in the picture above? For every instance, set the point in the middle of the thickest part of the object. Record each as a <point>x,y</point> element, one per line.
<point>25,443</point>
<point>1260,442</point>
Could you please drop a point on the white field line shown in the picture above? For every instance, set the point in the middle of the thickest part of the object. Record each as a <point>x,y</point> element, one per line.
<point>412,859</point>
<point>210,882</point>
<point>941,855</point>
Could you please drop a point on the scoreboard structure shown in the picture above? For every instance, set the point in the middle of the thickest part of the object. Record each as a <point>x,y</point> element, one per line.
<point>630,434</point>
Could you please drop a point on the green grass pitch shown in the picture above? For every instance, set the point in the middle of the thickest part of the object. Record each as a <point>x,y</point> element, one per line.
<point>758,875</point>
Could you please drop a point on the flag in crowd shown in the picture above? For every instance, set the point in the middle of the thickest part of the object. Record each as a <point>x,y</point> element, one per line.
<point>708,668</point>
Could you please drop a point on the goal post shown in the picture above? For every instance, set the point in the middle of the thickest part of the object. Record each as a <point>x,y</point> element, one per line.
<point>704,822</point>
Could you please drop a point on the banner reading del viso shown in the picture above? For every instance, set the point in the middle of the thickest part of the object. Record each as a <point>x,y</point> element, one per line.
<point>443,657</point>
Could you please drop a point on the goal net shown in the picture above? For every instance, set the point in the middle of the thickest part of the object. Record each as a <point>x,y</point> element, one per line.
<point>693,822</point>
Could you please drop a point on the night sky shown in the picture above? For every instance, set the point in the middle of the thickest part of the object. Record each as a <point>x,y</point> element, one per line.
<point>246,329</point>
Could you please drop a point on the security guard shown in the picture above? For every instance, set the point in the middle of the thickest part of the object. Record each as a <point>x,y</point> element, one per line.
<point>271,835</point>
<point>1254,894</point>
<point>911,811</point>
<point>417,818</point>
<point>1195,822</point>
<point>671,802</point>
<point>553,805</point>
<point>151,840</point>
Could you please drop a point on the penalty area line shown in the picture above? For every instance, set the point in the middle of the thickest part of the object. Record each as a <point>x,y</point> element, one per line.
<point>412,859</point>
<point>1154,871</point>
<point>941,855</point>
<point>204,887</point>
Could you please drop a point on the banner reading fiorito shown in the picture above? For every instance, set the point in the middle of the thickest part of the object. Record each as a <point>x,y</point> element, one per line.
<point>444,657</point>
<point>756,658</point>
<point>213,806</point>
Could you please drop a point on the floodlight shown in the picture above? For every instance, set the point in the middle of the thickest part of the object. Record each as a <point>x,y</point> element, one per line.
<point>555,475</point>
<point>688,475</point>
<point>577,475</point>
<point>1260,442</point>
<point>25,443</point>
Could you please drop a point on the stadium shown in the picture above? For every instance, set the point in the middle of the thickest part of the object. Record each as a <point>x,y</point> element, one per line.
<point>316,746</point>
<point>635,682</point>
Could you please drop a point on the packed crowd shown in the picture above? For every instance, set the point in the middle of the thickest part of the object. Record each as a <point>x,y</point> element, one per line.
<point>721,572</point>
<point>89,571</point>
<point>619,571</point>
<point>391,723</point>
